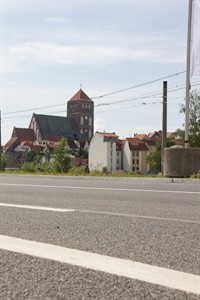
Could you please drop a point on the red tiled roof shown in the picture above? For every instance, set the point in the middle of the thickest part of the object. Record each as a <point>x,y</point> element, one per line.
<point>140,136</point>
<point>80,95</point>
<point>137,144</point>
<point>12,143</point>
<point>26,143</point>
<point>24,134</point>
<point>54,138</point>
<point>36,148</point>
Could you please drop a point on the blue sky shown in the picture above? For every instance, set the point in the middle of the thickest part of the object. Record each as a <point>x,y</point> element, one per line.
<point>49,48</point>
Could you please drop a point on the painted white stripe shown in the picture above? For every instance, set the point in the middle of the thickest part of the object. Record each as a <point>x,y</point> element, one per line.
<point>139,216</point>
<point>121,267</point>
<point>97,188</point>
<point>97,212</point>
<point>37,207</point>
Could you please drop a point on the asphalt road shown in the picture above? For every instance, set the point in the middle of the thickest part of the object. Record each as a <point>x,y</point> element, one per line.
<point>155,222</point>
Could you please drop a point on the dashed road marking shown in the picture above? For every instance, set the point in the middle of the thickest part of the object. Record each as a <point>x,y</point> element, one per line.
<point>55,209</point>
<point>173,279</point>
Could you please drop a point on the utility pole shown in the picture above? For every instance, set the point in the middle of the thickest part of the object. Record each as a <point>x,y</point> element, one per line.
<point>164,124</point>
<point>0,140</point>
<point>187,93</point>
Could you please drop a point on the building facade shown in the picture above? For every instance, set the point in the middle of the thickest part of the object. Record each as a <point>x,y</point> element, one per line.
<point>102,152</point>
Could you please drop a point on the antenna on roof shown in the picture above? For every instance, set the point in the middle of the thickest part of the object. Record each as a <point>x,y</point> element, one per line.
<point>80,84</point>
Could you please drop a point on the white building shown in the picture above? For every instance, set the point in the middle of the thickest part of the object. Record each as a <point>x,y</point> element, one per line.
<point>102,152</point>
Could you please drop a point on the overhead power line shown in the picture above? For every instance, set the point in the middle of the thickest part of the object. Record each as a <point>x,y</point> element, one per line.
<point>97,97</point>
<point>139,85</point>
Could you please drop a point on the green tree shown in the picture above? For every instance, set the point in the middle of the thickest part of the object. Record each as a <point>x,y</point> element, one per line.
<point>3,161</point>
<point>31,155</point>
<point>62,159</point>
<point>194,120</point>
<point>154,159</point>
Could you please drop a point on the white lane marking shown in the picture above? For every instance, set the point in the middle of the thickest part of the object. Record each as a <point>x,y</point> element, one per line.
<point>96,188</point>
<point>138,216</point>
<point>121,267</point>
<point>97,212</point>
<point>37,207</point>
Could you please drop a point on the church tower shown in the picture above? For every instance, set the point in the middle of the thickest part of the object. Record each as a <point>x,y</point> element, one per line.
<point>81,108</point>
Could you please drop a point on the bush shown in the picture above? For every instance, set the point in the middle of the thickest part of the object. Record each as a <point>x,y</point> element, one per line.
<point>77,171</point>
<point>29,167</point>
<point>196,176</point>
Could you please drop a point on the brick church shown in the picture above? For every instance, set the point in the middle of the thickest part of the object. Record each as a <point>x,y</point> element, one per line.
<point>77,125</point>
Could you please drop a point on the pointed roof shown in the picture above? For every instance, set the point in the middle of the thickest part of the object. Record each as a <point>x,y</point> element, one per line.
<point>80,96</point>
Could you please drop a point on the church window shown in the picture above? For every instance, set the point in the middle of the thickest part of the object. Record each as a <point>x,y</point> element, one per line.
<point>82,120</point>
<point>90,133</point>
<point>90,121</point>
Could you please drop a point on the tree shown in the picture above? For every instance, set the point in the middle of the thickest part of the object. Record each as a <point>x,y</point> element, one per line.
<point>3,161</point>
<point>154,159</point>
<point>194,120</point>
<point>62,159</point>
<point>31,155</point>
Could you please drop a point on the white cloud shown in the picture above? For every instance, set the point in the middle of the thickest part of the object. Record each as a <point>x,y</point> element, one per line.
<point>28,54</point>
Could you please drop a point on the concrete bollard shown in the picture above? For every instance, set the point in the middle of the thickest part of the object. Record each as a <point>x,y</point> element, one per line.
<point>181,162</point>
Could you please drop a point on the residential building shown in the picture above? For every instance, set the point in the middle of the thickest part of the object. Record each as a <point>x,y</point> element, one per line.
<point>135,152</point>
<point>119,154</point>
<point>102,152</point>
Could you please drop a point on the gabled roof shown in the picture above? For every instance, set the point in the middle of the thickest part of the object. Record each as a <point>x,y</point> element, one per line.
<point>58,126</point>
<point>24,134</point>
<point>80,96</point>
<point>155,135</point>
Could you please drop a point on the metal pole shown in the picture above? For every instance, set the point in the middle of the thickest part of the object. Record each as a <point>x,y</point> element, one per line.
<point>164,124</point>
<point>0,140</point>
<point>187,93</point>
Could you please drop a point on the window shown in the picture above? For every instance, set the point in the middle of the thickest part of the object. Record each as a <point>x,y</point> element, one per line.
<point>90,121</point>
<point>90,133</point>
<point>117,161</point>
<point>137,153</point>
<point>137,161</point>
<point>133,161</point>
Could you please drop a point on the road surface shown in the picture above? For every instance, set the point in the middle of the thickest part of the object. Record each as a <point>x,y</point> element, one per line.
<point>99,238</point>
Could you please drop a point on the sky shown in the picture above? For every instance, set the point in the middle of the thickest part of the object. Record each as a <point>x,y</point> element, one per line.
<point>118,52</point>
